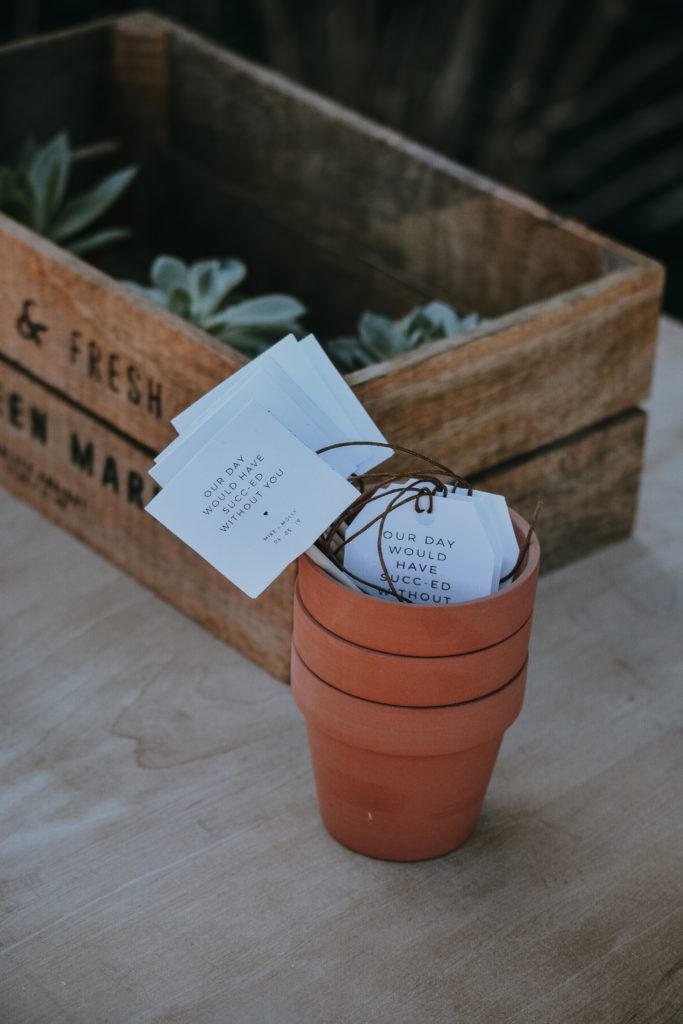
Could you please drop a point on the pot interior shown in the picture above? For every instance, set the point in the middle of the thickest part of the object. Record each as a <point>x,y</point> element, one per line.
<point>317,201</point>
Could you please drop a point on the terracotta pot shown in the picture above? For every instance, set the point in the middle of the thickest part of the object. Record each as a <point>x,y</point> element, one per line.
<point>396,782</point>
<point>406,706</point>
<point>433,631</point>
<point>403,679</point>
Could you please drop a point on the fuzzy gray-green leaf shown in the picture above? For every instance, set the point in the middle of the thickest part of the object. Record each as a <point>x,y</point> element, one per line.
<point>80,212</point>
<point>380,338</point>
<point>249,342</point>
<point>265,311</point>
<point>209,283</point>
<point>96,240</point>
<point>344,354</point>
<point>48,176</point>
<point>153,294</point>
<point>443,316</point>
<point>168,272</point>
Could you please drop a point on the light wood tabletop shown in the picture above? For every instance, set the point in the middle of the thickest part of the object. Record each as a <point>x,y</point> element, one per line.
<point>161,854</point>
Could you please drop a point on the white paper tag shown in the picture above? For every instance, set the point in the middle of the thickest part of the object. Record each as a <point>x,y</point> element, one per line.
<point>496,516</point>
<point>305,372</point>
<point>438,557</point>
<point>252,499</point>
<point>488,521</point>
<point>187,420</point>
<point>293,357</point>
<point>264,387</point>
<point>363,427</point>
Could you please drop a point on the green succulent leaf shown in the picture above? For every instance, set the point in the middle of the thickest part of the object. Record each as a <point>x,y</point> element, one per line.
<point>168,272</point>
<point>380,338</point>
<point>27,150</point>
<point>442,316</point>
<point>16,197</point>
<point>7,185</point>
<point>34,192</point>
<point>47,173</point>
<point>204,294</point>
<point>80,212</point>
<point>154,294</point>
<point>342,352</point>
<point>177,301</point>
<point>97,240</point>
<point>265,311</point>
<point>209,283</point>
<point>250,343</point>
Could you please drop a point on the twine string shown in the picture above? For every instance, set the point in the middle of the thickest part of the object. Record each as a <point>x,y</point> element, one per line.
<point>420,485</point>
<point>461,482</point>
<point>525,546</point>
<point>419,493</point>
<point>394,503</point>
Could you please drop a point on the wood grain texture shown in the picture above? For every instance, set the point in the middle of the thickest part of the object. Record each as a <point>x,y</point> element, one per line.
<point>163,859</point>
<point>544,370</point>
<point>139,69</point>
<point>588,484</point>
<point>523,381</point>
<point>504,389</point>
<point>59,82</point>
<point>348,215</point>
<point>172,361</point>
<point>93,481</point>
<point>333,285</point>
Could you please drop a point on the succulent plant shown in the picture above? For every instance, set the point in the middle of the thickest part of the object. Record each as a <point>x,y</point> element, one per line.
<point>380,338</point>
<point>34,191</point>
<point>204,293</point>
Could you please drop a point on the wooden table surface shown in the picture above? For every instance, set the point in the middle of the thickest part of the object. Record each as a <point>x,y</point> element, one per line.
<point>161,855</point>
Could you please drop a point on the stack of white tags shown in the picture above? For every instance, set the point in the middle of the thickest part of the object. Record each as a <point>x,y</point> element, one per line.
<point>242,484</point>
<point>458,551</point>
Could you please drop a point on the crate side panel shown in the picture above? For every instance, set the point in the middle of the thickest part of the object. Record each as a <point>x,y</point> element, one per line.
<point>94,486</point>
<point>588,484</point>
<point>524,385</point>
<point>366,191</point>
<point>282,256</point>
<point>95,340</point>
<point>93,483</point>
<point>57,83</point>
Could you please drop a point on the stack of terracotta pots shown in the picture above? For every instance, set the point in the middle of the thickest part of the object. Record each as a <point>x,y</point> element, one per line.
<point>406,706</point>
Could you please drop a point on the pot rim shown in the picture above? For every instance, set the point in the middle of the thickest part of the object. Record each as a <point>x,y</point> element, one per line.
<point>415,707</point>
<point>417,680</point>
<point>415,657</point>
<point>529,566</point>
<point>401,730</point>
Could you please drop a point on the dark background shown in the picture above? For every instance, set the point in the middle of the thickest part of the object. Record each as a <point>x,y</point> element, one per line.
<point>578,103</point>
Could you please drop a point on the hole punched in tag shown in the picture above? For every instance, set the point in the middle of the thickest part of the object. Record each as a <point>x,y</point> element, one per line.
<point>414,486</point>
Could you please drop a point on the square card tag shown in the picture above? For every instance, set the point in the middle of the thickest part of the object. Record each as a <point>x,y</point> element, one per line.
<point>330,391</point>
<point>283,374</point>
<point>186,420</point>
<point>495,511</point>
<point>290,371</point>
<point>292,356</point>
<point>489,523</point>
<point>252,499</point>
<point>495,516</point>
<point>262,386</point>
<point>327,388</point>
<point>438,557</point>
<point>278,358</point>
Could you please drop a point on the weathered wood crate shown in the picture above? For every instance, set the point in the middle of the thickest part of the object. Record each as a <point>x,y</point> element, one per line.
<point>539,401</point>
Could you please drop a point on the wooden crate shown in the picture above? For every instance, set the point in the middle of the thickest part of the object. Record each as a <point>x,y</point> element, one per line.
<point>540,400</point>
